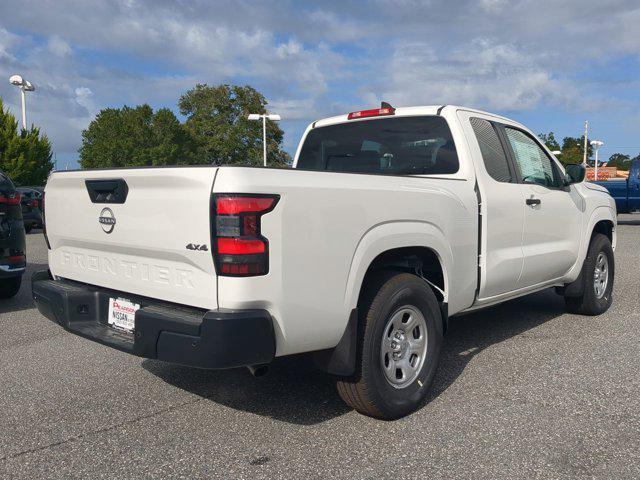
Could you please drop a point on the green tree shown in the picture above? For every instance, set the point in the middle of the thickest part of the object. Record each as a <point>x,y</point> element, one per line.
<point>620,161</point>
<point>549,139</point>
<point>573,150</point>
<point>25,154</point>
<point>120,137</point>
<point>217,120</point>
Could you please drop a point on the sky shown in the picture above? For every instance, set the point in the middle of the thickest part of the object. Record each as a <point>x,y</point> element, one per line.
<point>549,65</point>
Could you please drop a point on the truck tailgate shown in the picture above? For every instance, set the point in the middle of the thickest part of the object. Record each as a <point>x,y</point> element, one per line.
<point>141,231</point>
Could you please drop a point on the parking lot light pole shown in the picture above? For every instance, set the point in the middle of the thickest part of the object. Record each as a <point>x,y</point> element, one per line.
<point>24,86</point>
<point>264,117</point>
<point>596,144</point>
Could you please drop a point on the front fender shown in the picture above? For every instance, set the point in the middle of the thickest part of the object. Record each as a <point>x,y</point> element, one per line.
<point>600,213</point>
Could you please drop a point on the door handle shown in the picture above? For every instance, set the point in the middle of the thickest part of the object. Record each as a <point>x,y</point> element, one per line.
<point>533,201</point>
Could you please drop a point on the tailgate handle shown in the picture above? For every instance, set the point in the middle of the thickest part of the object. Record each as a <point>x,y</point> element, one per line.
<point>107,191</point>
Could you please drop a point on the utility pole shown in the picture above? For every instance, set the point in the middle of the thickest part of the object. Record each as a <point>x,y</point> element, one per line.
<point>586,134</point>
<point>264,117</point>
<point>596,144</point>
<point>24,109</point>
<point>264,139</point>
<point>24,86</point>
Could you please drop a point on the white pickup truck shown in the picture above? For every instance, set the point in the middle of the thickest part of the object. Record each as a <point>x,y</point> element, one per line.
<point>390,222</point>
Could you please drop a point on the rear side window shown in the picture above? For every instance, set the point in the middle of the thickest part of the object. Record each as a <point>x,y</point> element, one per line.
<point>393,146</point>
<point>534,164</point>
<point>495,160</point>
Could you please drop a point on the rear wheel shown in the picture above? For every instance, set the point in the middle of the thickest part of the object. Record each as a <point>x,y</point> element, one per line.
<point>597,274</point>
<point>9,286</point>
<point>400,337</point>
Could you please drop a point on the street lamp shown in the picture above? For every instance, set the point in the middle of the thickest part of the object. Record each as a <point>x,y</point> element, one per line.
<point>596,144</point>
<point>264,117</point>
<point>24,86</point>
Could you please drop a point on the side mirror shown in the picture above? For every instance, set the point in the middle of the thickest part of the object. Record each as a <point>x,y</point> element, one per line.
<point>575,173</point>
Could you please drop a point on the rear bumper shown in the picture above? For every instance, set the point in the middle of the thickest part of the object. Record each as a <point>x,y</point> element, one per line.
<point>8,271</point>
<point>189,336</point>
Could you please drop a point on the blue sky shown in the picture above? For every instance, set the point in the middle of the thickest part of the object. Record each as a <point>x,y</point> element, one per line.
<point>550,65</point>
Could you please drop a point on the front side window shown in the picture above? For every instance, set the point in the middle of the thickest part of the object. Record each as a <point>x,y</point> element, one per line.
<point>393,146</point>
<point>534,164</point>
<point>493,156</point>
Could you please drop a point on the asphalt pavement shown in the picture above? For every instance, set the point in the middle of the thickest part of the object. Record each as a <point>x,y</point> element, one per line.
<point>524,390</point>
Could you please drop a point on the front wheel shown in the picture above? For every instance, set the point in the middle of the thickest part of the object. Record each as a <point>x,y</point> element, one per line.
<point>597,274</point>
<point>400,337</point>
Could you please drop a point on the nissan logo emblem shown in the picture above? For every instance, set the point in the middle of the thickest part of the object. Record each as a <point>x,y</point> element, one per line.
<point>107,220</point>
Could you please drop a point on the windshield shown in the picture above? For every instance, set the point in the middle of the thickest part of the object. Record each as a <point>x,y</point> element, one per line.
<point>26,193</point>
<point>393,146</point>
<point>5,182</point>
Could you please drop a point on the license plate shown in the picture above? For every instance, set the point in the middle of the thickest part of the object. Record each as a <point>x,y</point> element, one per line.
<point>122,313</point>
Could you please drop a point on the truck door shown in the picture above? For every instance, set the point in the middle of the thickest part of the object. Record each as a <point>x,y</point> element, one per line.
<point>502,209</point>
<point>552,218</point>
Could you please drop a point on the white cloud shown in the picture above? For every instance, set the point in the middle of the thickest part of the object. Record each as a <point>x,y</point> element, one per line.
<point>8,41</point>
<point>58,46</point>
<point>484,74</point>
<point>83,97</point>
<point>310,61</point>
<point>493,5</point>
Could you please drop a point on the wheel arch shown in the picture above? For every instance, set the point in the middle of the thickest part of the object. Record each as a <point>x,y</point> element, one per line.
<point>606,228</point>
<point>601,220</point>
<point>391,245</point>
<point>415,247</point>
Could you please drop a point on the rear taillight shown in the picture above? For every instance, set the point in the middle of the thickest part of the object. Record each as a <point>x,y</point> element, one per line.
<point>17,260</point>
<point>10,198</point>
<point>239,249</point>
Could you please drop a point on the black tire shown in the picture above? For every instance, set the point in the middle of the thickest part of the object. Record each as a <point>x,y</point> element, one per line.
<point>589,303</point>
<point>27,228</point>
<point>368,391</point>
<point>10,286</point>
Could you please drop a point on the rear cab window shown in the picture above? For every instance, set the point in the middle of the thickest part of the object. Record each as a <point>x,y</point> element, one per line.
<point>493,155</point>
<point>420,145</point>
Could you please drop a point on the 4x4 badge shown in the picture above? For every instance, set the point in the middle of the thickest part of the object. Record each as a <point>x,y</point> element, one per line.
<point>194,246</point>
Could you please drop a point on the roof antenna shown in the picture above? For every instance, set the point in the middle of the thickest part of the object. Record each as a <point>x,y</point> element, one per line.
<point>385,105</point>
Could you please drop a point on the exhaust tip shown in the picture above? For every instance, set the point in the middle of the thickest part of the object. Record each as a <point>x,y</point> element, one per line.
<point>258,370</point>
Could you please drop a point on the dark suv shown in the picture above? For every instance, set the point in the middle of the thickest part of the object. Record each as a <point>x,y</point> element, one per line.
<point>31,201</point>
<point>12,239</point>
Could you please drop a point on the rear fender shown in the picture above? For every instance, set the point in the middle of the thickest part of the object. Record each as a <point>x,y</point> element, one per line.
<point>388,236</point>
<point>378,240</point>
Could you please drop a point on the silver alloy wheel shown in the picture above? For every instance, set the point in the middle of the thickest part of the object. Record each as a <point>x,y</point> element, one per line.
<point>404,346</point>
<point>601,275</point>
